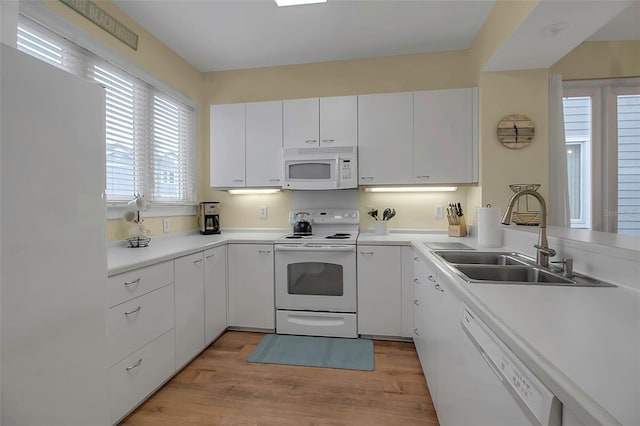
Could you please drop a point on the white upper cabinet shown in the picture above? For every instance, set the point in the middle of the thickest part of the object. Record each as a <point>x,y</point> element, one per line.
<point>339,121</point>
<point>445,136</point>
<point>385,138</point>
<point>264,143</point>
<point>246,145</point>
<point>227,146</point>
<point>315,122</point>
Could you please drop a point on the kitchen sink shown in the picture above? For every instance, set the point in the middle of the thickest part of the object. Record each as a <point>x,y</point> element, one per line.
<point>520,274</point>
<point>509,268</point>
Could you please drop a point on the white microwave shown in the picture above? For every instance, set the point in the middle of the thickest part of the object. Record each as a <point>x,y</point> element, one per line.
<point>320,168</point>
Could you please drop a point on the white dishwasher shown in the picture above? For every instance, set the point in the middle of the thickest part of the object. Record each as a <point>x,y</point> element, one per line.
<point>501,389</point>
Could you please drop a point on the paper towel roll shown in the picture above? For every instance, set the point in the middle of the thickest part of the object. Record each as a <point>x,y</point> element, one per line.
<point>489,232</point>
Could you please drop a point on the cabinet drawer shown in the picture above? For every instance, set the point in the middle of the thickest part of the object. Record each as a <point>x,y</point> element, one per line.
<point>135,323</point>
<point>135,377</point>
<point>135,283</point>
<point>329,324</point>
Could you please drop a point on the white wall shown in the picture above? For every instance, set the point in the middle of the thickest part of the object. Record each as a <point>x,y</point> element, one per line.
<point>8,21</point>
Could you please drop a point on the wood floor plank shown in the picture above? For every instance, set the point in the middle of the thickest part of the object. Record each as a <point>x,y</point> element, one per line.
<point>220,387</point>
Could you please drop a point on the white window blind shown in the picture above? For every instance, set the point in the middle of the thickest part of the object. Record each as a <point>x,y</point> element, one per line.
<point>150,136</point>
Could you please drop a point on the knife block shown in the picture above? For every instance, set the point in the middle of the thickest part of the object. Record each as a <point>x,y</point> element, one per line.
<point>459,230</point>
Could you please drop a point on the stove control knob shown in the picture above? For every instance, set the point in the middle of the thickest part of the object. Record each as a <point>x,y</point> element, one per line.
<point>347,215</point>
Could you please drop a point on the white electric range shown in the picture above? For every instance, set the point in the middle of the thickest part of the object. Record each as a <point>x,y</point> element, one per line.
<point>315,276</point>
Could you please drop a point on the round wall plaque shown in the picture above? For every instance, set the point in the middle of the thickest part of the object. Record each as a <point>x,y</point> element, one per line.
<point>515,131</point>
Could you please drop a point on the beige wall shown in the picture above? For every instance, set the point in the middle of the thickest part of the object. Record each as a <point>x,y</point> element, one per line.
<point>592,60</point>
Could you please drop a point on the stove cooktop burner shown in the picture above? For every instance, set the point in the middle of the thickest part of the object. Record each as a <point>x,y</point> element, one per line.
<point>296,237</point>
<point>338,236</point>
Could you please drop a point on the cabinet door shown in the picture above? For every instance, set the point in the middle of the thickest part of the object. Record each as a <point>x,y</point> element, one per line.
<point>251,289</point>
<point>215,293</point>
<point>264,144</point>
<point>445,136</point>
<point>379,291</point>
<point>227,145</point>
<point>408,260</point>
<point>189,300</point>
<point>385,138</point>
<point>339,121</point>
<point>301,123</point>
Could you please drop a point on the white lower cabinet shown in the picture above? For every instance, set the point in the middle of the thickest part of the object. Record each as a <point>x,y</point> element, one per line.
<point>135,323</point>
<point>138,375</point>
<point>251,286</point>
<point>215,293</point>
<point>189,303</point>
<point>379,290</point>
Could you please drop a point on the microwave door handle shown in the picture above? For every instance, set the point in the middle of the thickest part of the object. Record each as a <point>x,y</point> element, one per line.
<point>336,181</point>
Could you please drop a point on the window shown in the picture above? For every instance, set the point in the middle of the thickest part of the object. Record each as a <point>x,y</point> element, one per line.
<point>602,134</point>
<point>150,135</point>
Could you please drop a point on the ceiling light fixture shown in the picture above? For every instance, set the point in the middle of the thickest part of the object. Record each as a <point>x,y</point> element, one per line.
<point>252,191</point>
<point>283,3</point>
<point>555,29</point>
<point>413,189</point>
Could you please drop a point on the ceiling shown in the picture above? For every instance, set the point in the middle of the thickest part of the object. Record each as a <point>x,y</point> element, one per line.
<point>215,35</point>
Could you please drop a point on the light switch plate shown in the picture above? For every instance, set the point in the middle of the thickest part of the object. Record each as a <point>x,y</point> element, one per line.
<point>165,224</point>
<point>263,212</point>
<point>439,211</point>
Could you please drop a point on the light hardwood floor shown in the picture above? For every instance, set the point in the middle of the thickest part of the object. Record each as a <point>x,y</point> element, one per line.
<point>220,387</point>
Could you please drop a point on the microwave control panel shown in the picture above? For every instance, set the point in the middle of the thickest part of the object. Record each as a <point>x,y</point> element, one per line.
<point>345,170</point>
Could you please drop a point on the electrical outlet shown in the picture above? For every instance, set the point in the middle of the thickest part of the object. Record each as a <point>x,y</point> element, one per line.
<point>165,224</point>
<point>439,211</point>
<point>263,212</point>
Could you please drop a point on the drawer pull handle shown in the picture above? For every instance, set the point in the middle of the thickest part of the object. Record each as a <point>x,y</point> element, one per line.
<point>133,283</point>
<point>430,278</point>
<point>311,141</point>
<point>237,180</point>
<point>328,140</point>
<point>196,262</point>
<point>134,311</point>
<point>416,332</point>
<point>416,258</point>
<point>417,281</point>
<point>274,180</point>
<point>137,364</point>
<point>210,256</point>
<point>423,177</point>
<point>264,251</point>
<point>416,302</point>
<point>367,253</point>
<point>440,289</point>
<point>366,178</point>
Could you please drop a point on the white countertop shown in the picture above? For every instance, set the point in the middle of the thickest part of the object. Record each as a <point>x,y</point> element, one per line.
<point>583,343</point>
<point>121,259</point>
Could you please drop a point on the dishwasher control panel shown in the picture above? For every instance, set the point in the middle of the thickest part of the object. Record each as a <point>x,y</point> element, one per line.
<point>523,384</point>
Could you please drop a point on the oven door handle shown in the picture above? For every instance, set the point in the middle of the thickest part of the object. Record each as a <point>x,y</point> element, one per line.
<point>316,247</point>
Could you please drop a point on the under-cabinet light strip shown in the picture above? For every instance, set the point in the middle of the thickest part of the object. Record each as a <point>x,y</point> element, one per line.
<point>413,189</point>
<point>252,191</point>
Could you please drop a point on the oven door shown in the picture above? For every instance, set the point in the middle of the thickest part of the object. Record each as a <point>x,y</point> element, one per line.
<point>316,277</point>
<point>310,173</point>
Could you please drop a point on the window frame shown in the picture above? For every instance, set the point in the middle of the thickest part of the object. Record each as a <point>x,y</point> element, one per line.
<point>50,21</point>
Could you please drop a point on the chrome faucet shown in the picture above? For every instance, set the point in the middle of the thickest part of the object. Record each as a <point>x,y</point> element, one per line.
<point>544,252</point>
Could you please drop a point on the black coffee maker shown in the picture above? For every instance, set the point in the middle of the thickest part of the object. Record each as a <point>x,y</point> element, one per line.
<point>209,217</point>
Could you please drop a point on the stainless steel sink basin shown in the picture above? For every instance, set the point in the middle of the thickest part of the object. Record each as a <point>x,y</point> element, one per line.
<point>520,274</point>
<point>483,258</point>
<point>509,268</point>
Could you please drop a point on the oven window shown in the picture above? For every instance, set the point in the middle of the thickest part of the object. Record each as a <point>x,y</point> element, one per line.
<point>314,279</point>
<point>310,171</point>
